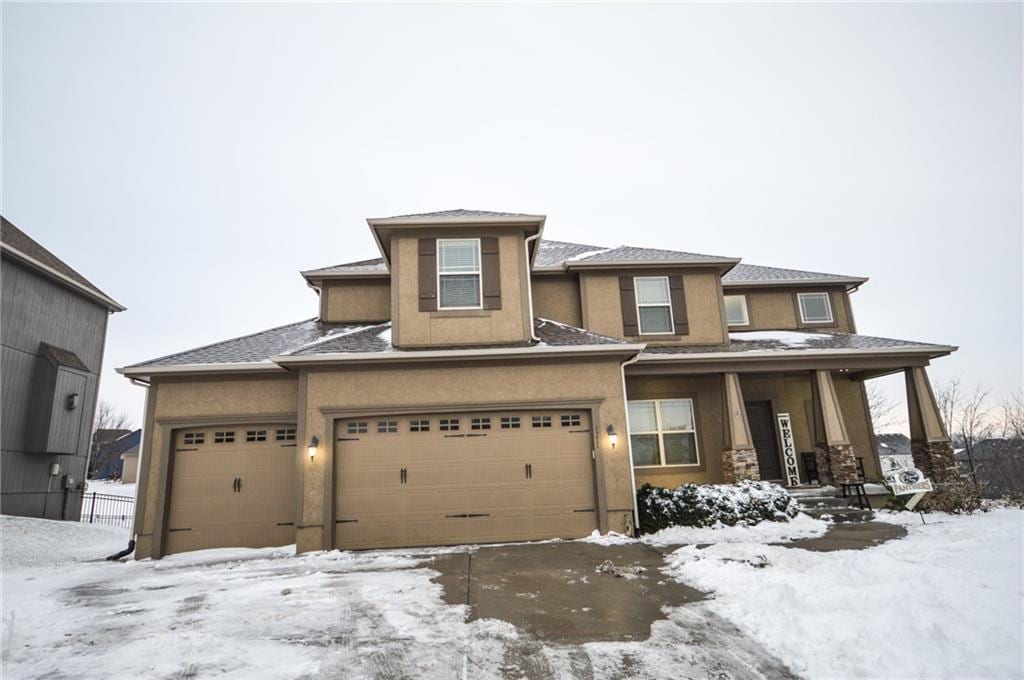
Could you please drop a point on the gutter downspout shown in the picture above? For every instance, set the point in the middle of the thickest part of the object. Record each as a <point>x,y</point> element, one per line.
<point>529,284</point>
<point>629,451</point>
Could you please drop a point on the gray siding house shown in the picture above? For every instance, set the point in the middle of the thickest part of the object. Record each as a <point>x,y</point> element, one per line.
<point>53,325</point>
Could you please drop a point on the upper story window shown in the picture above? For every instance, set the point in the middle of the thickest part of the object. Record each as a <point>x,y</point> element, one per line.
<point>458,273</point>
<point>663,432</point>
<point>653,305</point>
<point>815,307</point>
<point>736,310</point>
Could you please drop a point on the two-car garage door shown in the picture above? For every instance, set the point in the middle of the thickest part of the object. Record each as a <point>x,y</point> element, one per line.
<point>466,477</point>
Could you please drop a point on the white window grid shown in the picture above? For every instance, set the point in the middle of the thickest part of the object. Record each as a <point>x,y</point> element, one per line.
<point>828,307</point>
<point>478,273</point>
<point>639,319</point>
<point>661,433</point>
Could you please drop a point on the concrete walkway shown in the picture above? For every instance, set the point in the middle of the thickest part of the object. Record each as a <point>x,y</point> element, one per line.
<point>851,536</point>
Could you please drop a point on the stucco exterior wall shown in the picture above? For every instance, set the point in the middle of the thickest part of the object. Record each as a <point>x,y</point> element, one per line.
<point>356,300</point>
<point>175,402</point>
<point>602,309</point>
<point>413,328</point>
<point>708,400</point>
<point>478,387</point>
<point>557,298</point>
<point>857,416</point>
<point>776,309</point>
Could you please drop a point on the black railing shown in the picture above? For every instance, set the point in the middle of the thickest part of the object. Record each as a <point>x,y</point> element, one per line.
<point>104,508</point>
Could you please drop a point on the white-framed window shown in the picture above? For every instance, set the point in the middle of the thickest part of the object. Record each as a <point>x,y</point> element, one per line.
<point>653,305</point>
<point>815,307</point>
<point>459,284</point>
<point>663,432</point>
<point>736,310</point>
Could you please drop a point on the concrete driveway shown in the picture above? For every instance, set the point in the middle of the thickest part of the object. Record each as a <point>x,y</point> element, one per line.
<point>518,611</point>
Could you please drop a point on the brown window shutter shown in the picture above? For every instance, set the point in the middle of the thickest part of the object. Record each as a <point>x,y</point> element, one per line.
<point>678,298</point>
<point>428,274</point>
<point>627,295</point>
<point>491,267</point>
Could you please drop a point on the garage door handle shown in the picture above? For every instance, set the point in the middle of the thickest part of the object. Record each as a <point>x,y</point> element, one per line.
<point>529,470</point>
<point>234,485</point>
<point>239,485</point>
<point>403,476</point>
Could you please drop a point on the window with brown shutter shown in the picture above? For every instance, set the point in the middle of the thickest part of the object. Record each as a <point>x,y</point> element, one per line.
<point>428,274</point>
<point>491,272</point>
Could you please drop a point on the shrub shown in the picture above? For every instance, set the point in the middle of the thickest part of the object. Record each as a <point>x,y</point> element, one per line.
<point>702,505</point>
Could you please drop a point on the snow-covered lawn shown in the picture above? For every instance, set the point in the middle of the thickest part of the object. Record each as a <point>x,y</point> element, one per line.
<point>944,602</point>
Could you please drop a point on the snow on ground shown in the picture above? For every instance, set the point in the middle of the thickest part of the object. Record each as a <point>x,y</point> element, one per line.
<point>106,486</point>
<point>944,602</point>
<point>801,526</point>
<point>27,542</point>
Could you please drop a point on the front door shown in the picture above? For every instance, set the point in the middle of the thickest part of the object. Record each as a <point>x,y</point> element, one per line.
<point>762,430</point>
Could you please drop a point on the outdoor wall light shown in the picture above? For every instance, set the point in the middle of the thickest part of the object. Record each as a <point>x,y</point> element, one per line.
<point>613,436</point>
<point>71,401</point>
<point>313,443</point>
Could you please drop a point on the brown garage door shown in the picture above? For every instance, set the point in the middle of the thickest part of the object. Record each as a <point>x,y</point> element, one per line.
<point>463,478</point>
<point>232,486</point>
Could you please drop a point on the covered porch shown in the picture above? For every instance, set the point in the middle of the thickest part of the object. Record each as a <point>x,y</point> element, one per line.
<point>792,410</point>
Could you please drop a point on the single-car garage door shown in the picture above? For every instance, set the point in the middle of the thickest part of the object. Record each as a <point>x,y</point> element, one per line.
<point>232,486</point>
<point>463,478</point>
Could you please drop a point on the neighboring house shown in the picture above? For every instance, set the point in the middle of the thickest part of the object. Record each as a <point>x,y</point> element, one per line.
<point>103,463</point>
<point>476,383</point>
<point>121,457</point>
<point>998,465</point>
<point>53,329</point>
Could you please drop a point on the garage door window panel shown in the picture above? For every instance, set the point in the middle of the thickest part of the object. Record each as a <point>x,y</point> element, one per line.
<point>459,274</point>
<point>223,437</point>
<point>419,426</point>
<point>387,426</point>
<point>663,433</point>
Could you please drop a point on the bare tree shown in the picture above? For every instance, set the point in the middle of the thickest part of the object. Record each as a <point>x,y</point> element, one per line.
<point>948,397</point>
<point>974,424</point>
<point>881,407</point>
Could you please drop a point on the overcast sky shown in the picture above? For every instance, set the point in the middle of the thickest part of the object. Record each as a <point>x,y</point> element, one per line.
<point>190,159</point>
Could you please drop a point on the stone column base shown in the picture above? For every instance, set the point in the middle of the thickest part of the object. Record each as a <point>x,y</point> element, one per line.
<point>935,460</point>
<point>836,464</point>
<point>741,464</point>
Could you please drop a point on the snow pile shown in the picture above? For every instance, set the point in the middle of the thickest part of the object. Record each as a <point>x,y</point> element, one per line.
<point>944,602</point>
<point>801,526</point>
<point>609,567</point>
<point>29,542</point>
<point>790,339</point>
<point>611,538</point>
<point>705,505</point>
<point>108,487</point>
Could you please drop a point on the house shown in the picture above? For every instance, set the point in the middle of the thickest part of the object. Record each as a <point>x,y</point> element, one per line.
<point>477,383</point>
<point>53,331</point>
<point>997,464</point>
<point>103,464</point>
<point>120,457</point>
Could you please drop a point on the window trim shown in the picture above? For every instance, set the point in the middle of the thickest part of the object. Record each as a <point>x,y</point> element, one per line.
<point>828,304</point>
<point>746,311</point>
<point>636,302</point>
<point>479,273</point>
<point>661,434</point>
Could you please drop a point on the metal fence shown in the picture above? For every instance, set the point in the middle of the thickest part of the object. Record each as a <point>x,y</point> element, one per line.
<point>104,508</point>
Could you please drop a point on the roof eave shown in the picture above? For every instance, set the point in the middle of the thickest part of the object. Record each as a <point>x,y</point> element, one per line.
<point>848,281</point>
<point>314,275</point>
<point>172,369</point>
<point>931,351</point>
<point>93,294</point>
<point>457,221</point>
<point>652,264</point>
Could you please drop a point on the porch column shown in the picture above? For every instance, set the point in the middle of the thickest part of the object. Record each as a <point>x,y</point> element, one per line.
<point>929,440</point>
<point>739,458</point>
<point>837,463</point>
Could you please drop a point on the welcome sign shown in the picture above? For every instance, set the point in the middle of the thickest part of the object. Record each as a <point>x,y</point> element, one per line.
<point>788,450</point>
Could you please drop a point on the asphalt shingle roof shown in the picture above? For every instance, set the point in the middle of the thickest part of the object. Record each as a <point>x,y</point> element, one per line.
<point>459,212</point>
<point>752,273</point>
<point>788,341</point>
<point>312,337</point>
<point>15,238</point>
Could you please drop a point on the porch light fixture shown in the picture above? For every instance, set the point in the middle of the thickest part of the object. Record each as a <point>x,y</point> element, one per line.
<point>613,436</point>
<point>313,443</point>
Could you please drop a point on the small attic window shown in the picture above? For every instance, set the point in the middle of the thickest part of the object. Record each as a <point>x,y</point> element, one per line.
<point>815,307</point>
<point>458,273</point>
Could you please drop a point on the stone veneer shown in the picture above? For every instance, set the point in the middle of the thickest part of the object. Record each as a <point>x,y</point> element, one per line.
<point>836,464</point>
<point>935,460</point>
<point>740,464</point>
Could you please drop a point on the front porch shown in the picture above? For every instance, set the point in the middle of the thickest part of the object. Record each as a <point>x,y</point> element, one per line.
<point>796,427</point>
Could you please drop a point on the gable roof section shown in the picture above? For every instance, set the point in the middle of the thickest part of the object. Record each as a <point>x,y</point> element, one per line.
<point>63,357</point>
<point>743,275</point>
<point>313,340</point>
<point>458,213</point>
<point>21,246</point>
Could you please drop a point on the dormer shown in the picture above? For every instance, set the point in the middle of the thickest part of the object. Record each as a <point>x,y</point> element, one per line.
<point>459,277</point>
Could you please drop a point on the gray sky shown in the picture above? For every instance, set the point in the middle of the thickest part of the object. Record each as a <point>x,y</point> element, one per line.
<point>191,158</point>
